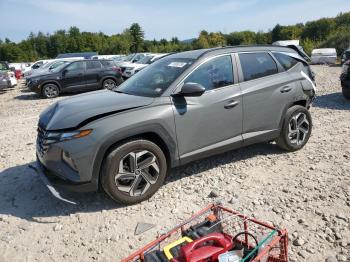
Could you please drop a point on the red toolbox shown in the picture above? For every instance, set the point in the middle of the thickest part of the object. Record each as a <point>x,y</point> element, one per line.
<point>259,241</point>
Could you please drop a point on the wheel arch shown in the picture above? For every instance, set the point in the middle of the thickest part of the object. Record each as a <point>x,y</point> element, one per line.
<point>107,77</point>
<point>301,102</point>
<point>51,82</point>
<point>160,138</point>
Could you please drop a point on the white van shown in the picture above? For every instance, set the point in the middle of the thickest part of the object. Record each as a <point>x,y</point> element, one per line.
<point>324,56</point>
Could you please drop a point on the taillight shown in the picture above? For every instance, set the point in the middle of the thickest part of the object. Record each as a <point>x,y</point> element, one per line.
<point>117,69</point>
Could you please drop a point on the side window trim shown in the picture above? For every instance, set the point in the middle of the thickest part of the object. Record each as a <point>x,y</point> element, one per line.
<point>280,69</point>
<point>233,62</point>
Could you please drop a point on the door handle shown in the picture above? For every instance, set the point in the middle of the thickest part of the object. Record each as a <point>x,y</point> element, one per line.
<point>286,89</point>
<point>231,104</point>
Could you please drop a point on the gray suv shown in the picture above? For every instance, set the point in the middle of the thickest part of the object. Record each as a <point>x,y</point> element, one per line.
<point>184,107</point>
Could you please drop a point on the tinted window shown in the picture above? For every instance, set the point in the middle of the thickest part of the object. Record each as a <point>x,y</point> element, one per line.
<point>285,60</point>
<point>76,66</point>
<point>213,74</point>
<point>107,63</point>
<point>256,65</point>
<point>93,65</point>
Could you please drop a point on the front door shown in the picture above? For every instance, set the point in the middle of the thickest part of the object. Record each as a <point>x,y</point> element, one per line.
<point>73,76</point>
<point>211,122</point>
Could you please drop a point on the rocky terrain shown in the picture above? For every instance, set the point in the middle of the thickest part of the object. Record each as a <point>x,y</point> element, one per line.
<point>307,192</point>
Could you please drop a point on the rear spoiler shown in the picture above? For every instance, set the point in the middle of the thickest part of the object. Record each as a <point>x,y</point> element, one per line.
<point>299,49</point>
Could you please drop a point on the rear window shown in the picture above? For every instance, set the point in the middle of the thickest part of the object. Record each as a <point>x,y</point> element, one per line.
<point>257,65</point>
<point>107,63</point>
<point>285,60</point>
<point>93,65</point>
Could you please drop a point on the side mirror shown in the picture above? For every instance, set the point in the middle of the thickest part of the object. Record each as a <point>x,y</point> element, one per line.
<point>192,89</point>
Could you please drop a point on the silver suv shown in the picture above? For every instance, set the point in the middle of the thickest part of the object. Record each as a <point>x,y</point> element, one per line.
<point>184,107</point>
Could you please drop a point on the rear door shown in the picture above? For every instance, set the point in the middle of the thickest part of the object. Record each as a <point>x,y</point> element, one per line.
<point>266,89</point>
<point>92,74</point>
<point>211,122</point>
<point>73,76</point>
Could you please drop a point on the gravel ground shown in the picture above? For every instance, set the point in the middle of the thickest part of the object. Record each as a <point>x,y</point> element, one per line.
<point>308,191</point>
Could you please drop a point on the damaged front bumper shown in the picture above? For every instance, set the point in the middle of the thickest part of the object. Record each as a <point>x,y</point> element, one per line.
<point>38,168</point>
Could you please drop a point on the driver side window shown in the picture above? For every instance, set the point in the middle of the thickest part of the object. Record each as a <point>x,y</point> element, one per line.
<point>76,66</point>
<point>213,74</point>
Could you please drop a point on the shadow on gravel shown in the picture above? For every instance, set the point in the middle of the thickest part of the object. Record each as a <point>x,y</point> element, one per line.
<point>23,195</point>
<point>332,101</point>
<point>230,157</point>
<point>31,96</point>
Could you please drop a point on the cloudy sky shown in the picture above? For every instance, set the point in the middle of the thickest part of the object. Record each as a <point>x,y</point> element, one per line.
<point>159,18</point>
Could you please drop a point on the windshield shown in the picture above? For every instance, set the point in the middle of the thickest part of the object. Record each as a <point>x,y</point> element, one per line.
<point>146,60</point>
<point>127,58</point>
<point>47,65</point>
<point>156,78</point>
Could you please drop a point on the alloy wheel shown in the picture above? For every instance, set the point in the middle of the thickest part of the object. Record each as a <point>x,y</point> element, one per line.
<point>299,127</point>
<point>137,172</point>
<point>109,84</point>
<point>50,91</point>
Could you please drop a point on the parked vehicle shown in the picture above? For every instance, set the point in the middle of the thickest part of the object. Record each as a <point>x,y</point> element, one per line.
<point>4,67</point>
<point>35,67</point>
<point>133,68</point>
<point>5,81</point>
<point>286,42</point>
<point>76,76</point>
<point>345,79</point>
<point>346,56</point>
<point>184,107</point>
<point>83,55</point>
<point>49,66</point>
<point>106,56</point>
<point>129,60</point>
<point>324,56</point>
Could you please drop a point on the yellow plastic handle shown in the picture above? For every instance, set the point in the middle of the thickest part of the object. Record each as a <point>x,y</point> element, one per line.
<point>174,244</point>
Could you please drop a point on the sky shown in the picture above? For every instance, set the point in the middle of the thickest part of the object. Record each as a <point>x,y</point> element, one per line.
<point>159,18</point>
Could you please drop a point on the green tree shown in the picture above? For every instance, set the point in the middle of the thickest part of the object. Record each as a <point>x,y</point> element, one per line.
<point>137,36</point>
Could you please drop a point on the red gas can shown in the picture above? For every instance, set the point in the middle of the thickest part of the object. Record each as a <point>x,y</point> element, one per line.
<point>207,248</point>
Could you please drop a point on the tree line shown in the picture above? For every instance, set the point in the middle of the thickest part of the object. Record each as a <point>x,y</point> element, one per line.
<point>324,32</point>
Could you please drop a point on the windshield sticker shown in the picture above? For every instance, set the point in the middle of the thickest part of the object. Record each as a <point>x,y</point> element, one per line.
<point>177,64</point>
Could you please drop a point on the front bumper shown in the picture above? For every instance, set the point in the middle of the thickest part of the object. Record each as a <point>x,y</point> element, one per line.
<point>37,167</point>
<point>33,86</point>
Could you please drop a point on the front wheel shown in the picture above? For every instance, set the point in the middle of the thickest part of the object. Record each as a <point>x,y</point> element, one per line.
<point>296,129</point>
<point>50,91</point>
<point>133,171</point>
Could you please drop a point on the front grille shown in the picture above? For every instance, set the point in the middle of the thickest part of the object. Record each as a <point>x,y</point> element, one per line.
<point>41,147</point>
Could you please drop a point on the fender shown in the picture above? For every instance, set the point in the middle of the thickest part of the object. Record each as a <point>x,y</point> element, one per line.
<point>140,131</point>
<point>51,81</point>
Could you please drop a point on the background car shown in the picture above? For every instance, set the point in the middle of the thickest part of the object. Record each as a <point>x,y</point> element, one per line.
<point>76,76</point>
<point>345,79</point>
<point>4,80</point>
<point>346,56</point>
<point>324,56</point>
<point>133,68</point>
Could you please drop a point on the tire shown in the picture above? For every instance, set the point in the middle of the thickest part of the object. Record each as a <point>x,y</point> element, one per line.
<point>296,129</point>
<point>133,185</point>
<point>109,84</point>
<point>346,92</point>
<point>50,91</point>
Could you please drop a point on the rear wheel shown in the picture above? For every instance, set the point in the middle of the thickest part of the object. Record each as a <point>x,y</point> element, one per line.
<point>134,171</point>
<point>296,129</point>
<point>50,91</point>
<point>346,92</point>
<point>109,84</point>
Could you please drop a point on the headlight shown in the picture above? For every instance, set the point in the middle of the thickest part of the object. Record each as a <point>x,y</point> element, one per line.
<point>55,137</point>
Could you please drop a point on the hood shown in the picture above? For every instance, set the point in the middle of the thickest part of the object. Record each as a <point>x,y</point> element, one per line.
<point>79,110</point>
